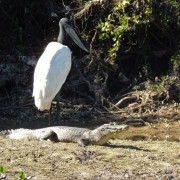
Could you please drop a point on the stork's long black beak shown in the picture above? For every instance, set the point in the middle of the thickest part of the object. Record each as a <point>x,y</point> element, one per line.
<point>70,31</point>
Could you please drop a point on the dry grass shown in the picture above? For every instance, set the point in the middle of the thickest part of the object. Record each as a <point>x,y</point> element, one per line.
<point>118,160</point>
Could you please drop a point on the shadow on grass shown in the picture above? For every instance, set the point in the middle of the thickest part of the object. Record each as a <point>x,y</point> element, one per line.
<point>126,147</point>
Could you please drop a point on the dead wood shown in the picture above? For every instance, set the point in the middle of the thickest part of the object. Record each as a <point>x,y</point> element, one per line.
<point>87,8</point>
<point>135,122</point>
<point>124,101</point>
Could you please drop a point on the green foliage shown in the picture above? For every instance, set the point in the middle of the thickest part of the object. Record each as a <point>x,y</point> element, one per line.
<point>3,169</point>
<point>22,175</point>
<point>124,17</point>
<point>175,60</point>
<point>145,24</point>
<point>161,84</point>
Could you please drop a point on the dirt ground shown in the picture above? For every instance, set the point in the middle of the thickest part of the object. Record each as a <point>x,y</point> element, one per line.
<point>149,149</point>
<point>120,159</point>
<point>148,152</point>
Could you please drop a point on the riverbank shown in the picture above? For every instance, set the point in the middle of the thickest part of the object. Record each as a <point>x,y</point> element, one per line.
<point>120,159</point>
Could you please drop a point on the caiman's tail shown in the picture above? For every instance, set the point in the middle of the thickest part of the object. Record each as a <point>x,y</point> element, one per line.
<point>19,134</point>
<point>5,133</point>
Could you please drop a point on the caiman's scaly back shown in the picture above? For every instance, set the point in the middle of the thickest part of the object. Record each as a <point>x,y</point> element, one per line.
<point>82,136</point>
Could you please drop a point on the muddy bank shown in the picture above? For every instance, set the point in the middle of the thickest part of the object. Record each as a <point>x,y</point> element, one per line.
<point>121,159</point>
<point>157,131</point>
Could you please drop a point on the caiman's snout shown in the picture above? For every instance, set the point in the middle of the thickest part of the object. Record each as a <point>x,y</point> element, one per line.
<point>114,127</point>
<point>124,127</point>
<point>118,128</point>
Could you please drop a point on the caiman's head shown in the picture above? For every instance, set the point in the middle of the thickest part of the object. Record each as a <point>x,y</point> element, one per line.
<point>107,131</point>
<point>112,128</point>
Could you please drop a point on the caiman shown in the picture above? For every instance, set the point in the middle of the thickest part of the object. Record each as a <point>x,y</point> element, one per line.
<point>82,136</point>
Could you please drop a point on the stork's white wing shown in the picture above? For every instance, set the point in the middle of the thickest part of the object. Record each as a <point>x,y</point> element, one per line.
<point>50,74</point>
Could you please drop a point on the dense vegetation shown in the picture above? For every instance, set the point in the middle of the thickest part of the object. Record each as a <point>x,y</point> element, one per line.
<point>130,41</point>
<point>131,75</point>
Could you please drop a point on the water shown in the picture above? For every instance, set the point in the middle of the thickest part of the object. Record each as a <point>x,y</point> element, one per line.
<point>169,131</point>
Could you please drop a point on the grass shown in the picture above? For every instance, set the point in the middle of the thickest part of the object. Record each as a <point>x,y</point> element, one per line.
<point>135,159</point>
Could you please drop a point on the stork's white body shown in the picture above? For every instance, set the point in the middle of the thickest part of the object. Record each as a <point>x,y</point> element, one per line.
<point>50,74</point>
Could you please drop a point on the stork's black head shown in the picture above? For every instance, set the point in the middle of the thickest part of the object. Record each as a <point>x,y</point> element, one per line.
<point>67,34</point>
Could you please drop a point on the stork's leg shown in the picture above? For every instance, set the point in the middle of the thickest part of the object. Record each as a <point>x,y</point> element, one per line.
<point>58,108</point>
<point>50,113</point>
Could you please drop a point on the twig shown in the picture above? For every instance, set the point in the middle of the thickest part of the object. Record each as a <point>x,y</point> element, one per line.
<point>91,47</point>
<point>125,100</point>
<point>86,8</point>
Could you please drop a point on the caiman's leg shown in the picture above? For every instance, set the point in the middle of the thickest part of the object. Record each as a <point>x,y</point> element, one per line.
<point>83,142</point>
<point>51,135</point>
